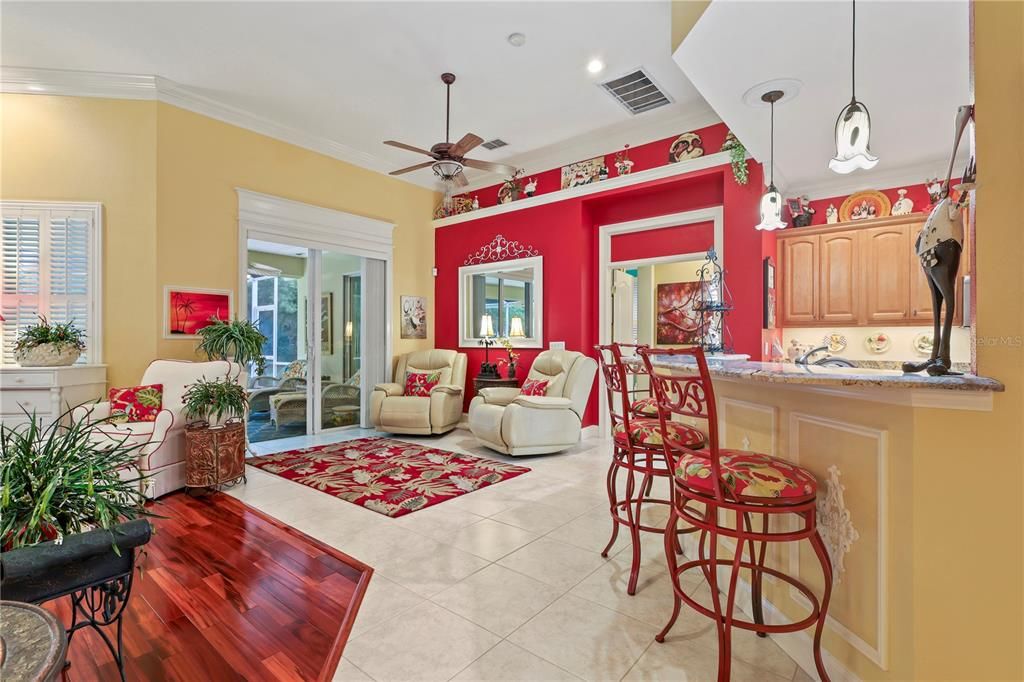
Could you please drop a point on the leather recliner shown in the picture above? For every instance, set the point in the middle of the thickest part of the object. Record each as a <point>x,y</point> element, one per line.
<point>392,411</point>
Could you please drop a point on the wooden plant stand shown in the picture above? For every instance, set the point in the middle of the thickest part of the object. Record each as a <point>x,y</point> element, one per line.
<point>214,455</point>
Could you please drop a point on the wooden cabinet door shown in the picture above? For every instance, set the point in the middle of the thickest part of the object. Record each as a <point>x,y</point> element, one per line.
<point>886,273</point>
<point>799,265</point>
<point>839,289</point>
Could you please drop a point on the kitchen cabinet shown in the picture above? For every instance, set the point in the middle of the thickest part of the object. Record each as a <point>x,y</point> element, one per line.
<point>857,274</point>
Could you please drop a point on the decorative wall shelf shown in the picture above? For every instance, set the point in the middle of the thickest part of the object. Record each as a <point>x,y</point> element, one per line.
<point>618,182</point>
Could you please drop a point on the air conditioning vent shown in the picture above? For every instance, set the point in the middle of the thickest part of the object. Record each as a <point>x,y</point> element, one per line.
<point>495,143</point>
<point>637,92</point>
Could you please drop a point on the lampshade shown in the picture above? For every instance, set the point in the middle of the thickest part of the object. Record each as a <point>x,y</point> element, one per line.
<point>446,169</point>
<point>853,133</point>
<point>348,329</point>
<point>771,210</point>
<point>486,326</point>
<point>516,327</point>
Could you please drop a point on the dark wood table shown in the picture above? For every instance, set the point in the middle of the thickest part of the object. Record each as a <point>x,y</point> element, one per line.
<point>33,643</point>
<point>489,382</point>
<point>214,456</point>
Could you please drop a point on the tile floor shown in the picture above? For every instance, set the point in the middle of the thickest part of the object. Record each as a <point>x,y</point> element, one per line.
<point>507,583</point>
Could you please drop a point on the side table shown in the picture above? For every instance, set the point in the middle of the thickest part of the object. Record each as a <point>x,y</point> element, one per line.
<point>33,643</point>
<point>485,382</point>
<point>214,455</point>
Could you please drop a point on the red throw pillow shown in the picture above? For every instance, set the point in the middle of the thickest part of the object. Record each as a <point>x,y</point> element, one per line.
<point>136,404</point>
<point>535,387</point>
<point>420,383</point>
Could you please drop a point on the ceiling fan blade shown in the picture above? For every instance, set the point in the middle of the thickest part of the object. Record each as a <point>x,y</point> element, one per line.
<point>425,164</point>
<point>489,166</point>
<point>468,142</point>
<point>461,180</point>
<point>408,147</point>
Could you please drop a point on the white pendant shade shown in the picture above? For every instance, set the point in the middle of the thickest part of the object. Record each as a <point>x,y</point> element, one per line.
<point>771,210</point>
<point>853,133</point>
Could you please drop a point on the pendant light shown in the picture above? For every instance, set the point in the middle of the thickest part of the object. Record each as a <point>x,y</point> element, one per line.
<point>771,201</point>
<point>853,127</point>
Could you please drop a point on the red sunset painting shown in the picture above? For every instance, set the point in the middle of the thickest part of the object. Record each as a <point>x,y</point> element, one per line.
<point>189,311</point>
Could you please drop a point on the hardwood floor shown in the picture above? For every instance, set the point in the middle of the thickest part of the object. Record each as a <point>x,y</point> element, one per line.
<point>228,593</point>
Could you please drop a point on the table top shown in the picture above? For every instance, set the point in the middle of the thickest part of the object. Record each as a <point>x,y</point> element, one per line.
<point>496,381</point>
<point>34,643</point>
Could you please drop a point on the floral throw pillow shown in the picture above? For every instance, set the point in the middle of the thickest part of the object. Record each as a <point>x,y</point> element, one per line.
<point>136,404</point>
<point>419,384</point>
<point>535,387</point>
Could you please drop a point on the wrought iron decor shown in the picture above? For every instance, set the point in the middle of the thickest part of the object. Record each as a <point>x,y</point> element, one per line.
<point>713,304</point>
<point>500,249</point>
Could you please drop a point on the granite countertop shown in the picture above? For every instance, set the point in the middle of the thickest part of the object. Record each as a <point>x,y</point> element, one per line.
<point>816,375</point>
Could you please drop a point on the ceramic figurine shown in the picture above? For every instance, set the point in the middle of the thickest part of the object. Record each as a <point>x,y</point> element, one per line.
<point>801,211</point>
<point>831,215</point>
<point>686,146</point>
<point>934,187</point>
<point>938,246</point>
<point>903,205</point>
<point>531,187</point>
<point>623,165</point>
<point>476,203</point>
<point>602,173</point>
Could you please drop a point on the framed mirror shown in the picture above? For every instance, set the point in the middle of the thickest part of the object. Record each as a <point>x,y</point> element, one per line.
<point>503,299</point>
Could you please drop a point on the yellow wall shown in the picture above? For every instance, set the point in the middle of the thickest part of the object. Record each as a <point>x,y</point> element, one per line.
<point>685,14</point>
<point>167,179</point>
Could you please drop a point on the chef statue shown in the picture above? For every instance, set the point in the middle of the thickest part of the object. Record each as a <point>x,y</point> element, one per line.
<point>938,246</point>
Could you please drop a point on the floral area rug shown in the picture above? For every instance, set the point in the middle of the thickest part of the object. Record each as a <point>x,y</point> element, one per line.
<point>388,476</point>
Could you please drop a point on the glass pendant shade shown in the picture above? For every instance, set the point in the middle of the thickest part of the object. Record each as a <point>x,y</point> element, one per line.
<point>853,133</point>
<point>447,169</point>
<point>771,210</point>
<point>486,326</point>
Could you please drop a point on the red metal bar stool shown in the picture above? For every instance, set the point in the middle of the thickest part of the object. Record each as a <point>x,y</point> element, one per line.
<point>747,483</point>
<point>637,448</point>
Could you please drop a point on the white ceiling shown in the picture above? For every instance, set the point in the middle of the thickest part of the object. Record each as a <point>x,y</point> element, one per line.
<point>912,73</point>
<point>358,73</point>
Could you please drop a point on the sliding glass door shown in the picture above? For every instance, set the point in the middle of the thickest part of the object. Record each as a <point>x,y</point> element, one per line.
<point>340,339</point>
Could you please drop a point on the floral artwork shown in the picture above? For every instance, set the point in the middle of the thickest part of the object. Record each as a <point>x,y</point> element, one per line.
<point>678,322</point>
<point>186,311</point>
<point>387,476</point>
<point>414,317</point>
<point>582,172</point>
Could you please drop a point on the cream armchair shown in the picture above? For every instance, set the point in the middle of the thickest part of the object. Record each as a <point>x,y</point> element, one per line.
<point>394,412</point>
<point>162,456</point>
<point>506,421</point>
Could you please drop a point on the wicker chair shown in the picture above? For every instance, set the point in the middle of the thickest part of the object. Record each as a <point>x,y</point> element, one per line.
<point>260,394</point>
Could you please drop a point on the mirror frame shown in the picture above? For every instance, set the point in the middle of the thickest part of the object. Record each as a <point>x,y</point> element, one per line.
<point>537,340</point>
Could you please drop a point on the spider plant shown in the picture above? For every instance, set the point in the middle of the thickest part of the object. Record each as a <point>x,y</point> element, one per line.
<point>58,479</point>
<point>214,401</point>
<point>237,340</point>
<point>59,335</point>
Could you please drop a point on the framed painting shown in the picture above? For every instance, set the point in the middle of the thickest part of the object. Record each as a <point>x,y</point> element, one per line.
<point>678,321</point>
<point>582,172</point>
<point>768,309</point>
<point>414,317</point>
<point>187,310</point>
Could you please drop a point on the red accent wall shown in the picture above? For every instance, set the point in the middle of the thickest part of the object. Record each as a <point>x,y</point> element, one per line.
<point>565,234</point>
<point>695,238</point>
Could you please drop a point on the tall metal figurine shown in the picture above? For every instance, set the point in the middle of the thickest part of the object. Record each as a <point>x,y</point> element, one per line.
<point>939,244</point>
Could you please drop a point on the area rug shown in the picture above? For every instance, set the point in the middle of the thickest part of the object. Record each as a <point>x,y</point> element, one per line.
<point>387,476</point>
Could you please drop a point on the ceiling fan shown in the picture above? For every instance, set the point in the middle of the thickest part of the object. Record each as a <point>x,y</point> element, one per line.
<point>449,159</point>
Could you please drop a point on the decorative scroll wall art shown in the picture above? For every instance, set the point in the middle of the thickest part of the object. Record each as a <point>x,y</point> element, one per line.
<point>500,249</point>
<point>834,522</point>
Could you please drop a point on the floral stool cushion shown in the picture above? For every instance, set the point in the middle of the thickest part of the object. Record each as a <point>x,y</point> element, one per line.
<point>647,433</point>
<point>749,475</point>
<point>646,407</point>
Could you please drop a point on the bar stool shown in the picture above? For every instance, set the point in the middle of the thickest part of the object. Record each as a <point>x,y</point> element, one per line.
<point>747,483</point>
<point>637,448</point>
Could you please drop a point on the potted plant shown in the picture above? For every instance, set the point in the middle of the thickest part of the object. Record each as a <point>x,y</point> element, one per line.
<point>49,344</point>
<point>737,158</point>
<point>214,401</point>
<point>513,357</point>
<point>236,341</point>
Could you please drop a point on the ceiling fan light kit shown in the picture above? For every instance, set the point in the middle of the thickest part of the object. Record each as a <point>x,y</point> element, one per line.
<point>771,200</point>
<point>853,126</point>
<point>449,160</point>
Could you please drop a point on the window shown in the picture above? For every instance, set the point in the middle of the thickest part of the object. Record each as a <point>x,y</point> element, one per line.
<point>51,268</point>
<point>274,307</point>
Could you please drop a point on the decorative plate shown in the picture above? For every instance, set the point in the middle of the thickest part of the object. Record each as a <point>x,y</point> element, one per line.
<point>686,146</point>
<point>864,205</point>
<point>923,343</point>
<point>836,342</point>
<point>879,342</point>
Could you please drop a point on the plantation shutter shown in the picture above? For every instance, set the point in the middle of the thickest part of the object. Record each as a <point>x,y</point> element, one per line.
<point>50,267</point>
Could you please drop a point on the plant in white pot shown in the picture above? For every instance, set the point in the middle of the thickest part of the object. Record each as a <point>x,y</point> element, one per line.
<point>214,402</point>
<point>49,344</point>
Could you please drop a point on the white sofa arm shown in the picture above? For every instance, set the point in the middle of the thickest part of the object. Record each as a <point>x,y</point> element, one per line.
<point>449,389</point>
<point>390,389</point>
<point>543,402</point>
<point>92,412</point>
<point>499,395</point>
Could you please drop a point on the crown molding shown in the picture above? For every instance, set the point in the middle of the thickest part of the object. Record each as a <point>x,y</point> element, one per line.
<point>599,142</point>
<point>32,81</point>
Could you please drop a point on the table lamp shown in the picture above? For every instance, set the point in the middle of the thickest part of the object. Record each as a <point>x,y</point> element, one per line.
<point>487,339</point>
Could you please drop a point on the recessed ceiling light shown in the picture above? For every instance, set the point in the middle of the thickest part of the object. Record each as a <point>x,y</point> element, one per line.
<point>516,39</point>
<point>595,66</point>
